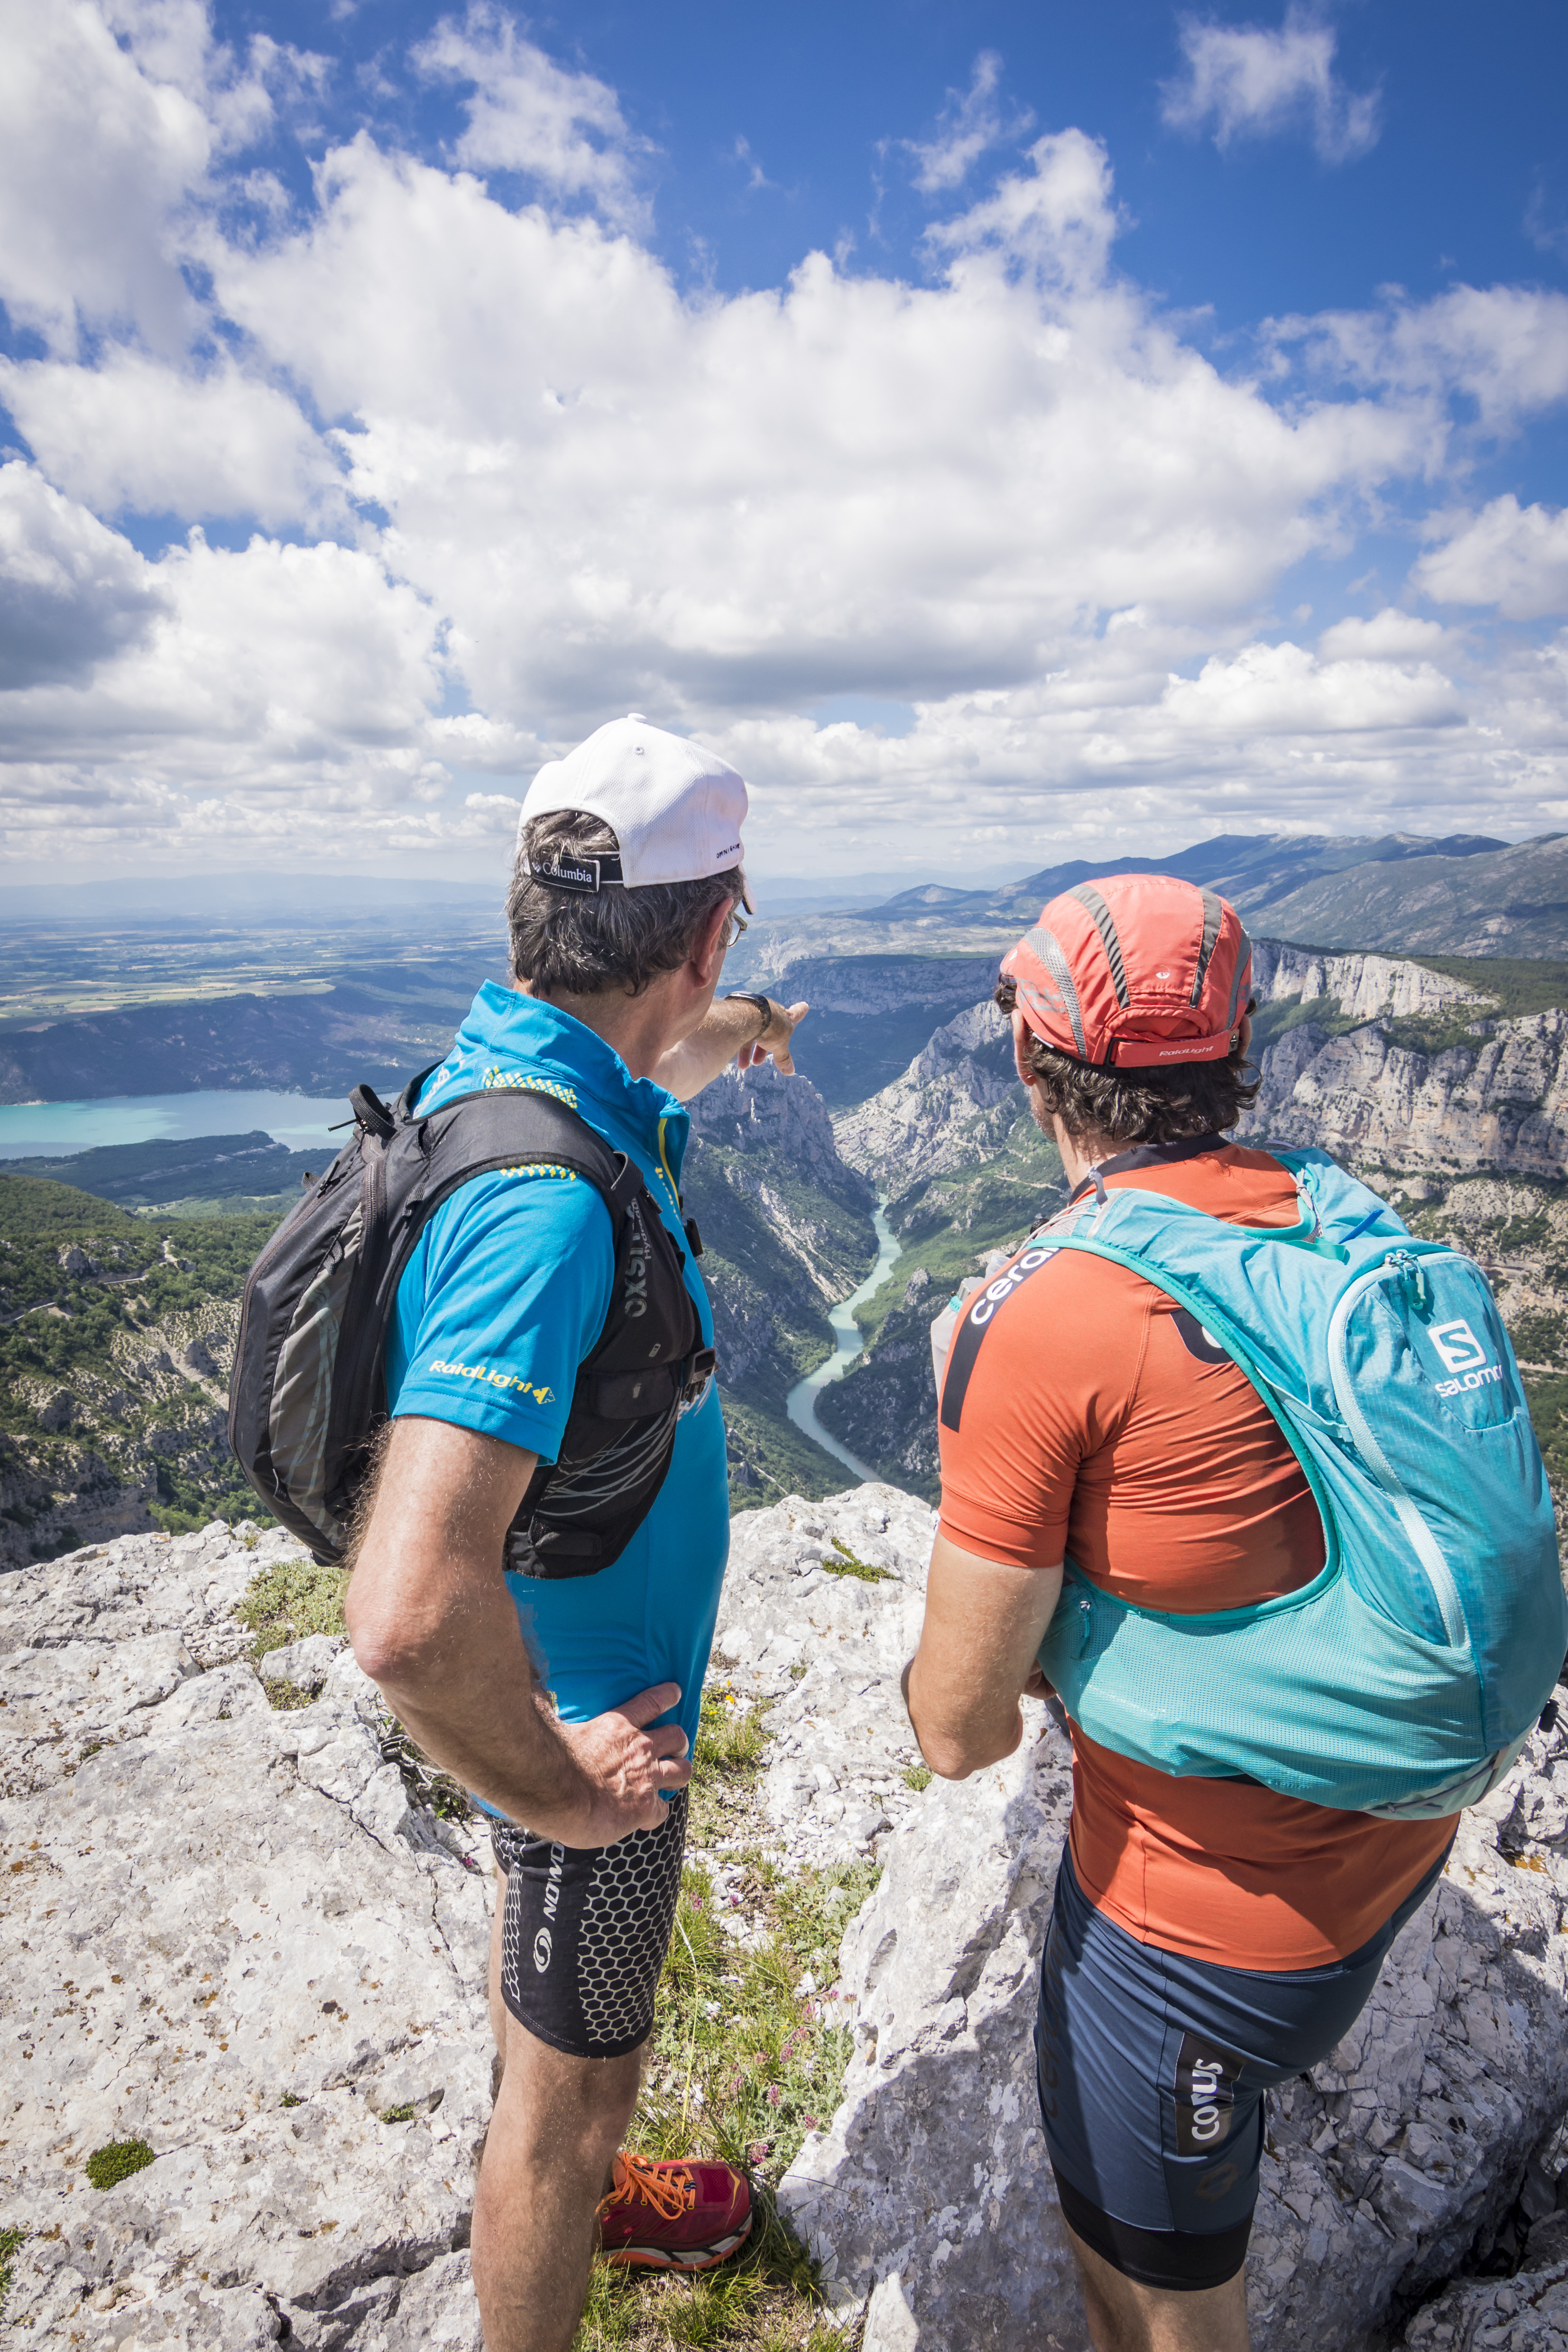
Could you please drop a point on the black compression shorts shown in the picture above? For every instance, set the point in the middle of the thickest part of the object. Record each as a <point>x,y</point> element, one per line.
<point>585,1932</point>
<point>1153,2070</point>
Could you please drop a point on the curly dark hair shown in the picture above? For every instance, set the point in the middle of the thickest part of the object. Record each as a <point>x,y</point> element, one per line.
<point>612,938</point>
<point>1137,1105</point>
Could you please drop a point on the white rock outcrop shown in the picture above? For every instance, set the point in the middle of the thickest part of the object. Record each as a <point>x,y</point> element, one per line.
<point>821,1608</point>
<point>1525,2313</point>
<point>1500,1103</point>
<point>230,1937</point>
<point>1363,986</point>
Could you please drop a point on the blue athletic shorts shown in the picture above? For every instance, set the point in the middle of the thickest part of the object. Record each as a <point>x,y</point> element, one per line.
<point>1153,2070</point>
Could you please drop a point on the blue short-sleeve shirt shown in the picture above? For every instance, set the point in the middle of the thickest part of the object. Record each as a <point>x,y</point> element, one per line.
<point>506,1292</point>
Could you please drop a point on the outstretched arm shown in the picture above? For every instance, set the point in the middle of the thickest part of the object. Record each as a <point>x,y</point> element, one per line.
<point>433,1624</point>
<point>732,1030</point>
<point>984,1620</point>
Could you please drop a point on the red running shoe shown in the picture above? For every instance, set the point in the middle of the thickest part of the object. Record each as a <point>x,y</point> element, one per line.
<point>674,2217</point>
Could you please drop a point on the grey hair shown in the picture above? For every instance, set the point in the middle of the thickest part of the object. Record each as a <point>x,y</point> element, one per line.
<point>582,943</point>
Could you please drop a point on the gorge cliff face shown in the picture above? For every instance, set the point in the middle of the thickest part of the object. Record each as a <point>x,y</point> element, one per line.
<point>1500,1102</point>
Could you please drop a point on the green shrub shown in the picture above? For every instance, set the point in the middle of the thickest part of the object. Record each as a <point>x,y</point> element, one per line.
<point>397,2115</point>
<point>293,1598</point>
<point>117,2161</point>
<point>917,1777</point>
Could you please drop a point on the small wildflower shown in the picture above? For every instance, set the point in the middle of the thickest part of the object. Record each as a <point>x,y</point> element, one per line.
<point>775,2095</point>
<point>758,2149</point>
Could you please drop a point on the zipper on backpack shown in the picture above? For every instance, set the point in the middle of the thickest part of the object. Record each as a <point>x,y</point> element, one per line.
<point>1423,1542</point>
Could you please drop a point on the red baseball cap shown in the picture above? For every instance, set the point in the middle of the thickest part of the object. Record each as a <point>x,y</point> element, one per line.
<point>1136,969</point>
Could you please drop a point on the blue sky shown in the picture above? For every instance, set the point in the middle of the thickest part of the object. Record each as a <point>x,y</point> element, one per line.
<point>1168,435</point>
<point>1470,154</point>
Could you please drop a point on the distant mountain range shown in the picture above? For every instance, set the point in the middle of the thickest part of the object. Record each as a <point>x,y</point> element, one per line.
<point>1252,869</point>
<point>1461,894</point>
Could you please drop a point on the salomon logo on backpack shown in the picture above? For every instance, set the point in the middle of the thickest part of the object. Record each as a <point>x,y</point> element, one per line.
<point>309,1390</point>
<point>1404,1679</point>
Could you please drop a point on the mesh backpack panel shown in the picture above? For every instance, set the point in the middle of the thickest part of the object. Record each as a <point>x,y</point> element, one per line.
<point>308,1393</point>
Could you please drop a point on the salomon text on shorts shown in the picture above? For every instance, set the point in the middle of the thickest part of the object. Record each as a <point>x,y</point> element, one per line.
<point>584,1931</point>
<point>1153,2071</point>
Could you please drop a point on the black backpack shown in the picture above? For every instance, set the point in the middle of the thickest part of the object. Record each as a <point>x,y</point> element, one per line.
<point>309,1389</point>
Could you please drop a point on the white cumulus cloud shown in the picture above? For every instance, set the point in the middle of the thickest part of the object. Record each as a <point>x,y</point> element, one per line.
<point>528,114</point>
<point>72,594</point>
<point>532,482</point>
<point>135,435</point>
<point>1247,81</point>
<point>1511,556</point>
<point>972,122</point>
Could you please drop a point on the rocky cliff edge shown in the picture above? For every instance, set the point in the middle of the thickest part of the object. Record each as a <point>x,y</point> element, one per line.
<point>231,1933</point>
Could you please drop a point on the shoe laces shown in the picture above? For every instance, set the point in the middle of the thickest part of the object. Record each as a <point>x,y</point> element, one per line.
<point>668,2187</point>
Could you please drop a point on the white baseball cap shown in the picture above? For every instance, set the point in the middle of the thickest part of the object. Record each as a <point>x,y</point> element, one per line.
<point>676,809</point>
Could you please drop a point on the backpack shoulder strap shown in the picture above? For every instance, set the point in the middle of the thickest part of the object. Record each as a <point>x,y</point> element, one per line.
<point>498,1128</point>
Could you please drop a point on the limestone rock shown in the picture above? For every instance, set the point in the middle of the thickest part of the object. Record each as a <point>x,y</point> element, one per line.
<point>931,2195</point>
<point>59,1408</point>
<point>935,1118</point>
<point>1525,2313</point>
<point>231,1937</point>
<point>799,1627</point>
<point>305,1663</point>
<point>1500,1103</point>
<point>756,1109</point>
<point>1363,986</point>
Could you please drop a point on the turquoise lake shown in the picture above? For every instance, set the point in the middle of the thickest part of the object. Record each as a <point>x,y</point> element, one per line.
<point>38,1131</point>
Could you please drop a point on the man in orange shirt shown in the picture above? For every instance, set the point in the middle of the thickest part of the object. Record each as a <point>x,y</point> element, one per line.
<point>1210,1938</point>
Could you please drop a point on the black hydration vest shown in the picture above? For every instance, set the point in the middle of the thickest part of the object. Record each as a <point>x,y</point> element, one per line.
<point>309,1389</point>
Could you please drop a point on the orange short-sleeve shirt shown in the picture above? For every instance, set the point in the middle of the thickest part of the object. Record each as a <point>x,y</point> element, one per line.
<point>1100,1422</point>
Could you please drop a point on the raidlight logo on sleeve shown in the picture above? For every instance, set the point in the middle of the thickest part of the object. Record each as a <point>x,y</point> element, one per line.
<point>1206,2077</point>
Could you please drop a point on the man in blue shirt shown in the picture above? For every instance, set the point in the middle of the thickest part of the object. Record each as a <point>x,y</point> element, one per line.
<point>568,1704</point>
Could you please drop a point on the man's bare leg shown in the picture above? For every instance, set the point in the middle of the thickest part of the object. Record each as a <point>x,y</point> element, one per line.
<point>557,2125</point>
<point>1126,2317</point>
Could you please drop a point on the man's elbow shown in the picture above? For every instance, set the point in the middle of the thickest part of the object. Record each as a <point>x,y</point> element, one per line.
<point>394,1650</point>
<point>953,1757</point>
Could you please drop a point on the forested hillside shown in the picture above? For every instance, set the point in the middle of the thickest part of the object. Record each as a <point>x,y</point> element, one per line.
<point>116,1334</point>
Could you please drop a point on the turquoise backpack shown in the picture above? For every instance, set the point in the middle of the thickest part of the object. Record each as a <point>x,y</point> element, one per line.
<point>1405,1679</point>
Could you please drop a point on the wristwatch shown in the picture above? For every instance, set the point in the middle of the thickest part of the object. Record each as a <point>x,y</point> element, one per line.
<point>762,1004</point>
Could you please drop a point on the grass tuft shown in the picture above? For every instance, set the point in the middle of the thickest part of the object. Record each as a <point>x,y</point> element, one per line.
<point>728,1758</point>
<point>292,1597</point>
<point>10,2246</point>
<point>116,2161</point>
<point>917,1777</point>
<point>397,2115</point>
<point>848,1564</point>
<point>740,2066</point>
<point>730,1737</point>
<point>286,1698</point>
